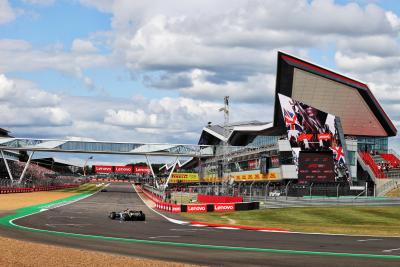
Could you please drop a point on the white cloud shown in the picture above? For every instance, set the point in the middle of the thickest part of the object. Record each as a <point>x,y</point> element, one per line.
<point>393,19</point>
<point>365,63</point>
<point>14,45</point>
<point>6,87</point>
<point>25,93</point>
<point>22,103</point>
<point>7,14</point>
<point>130,118</point>
<point>18,55</point>
<point>83,46</point>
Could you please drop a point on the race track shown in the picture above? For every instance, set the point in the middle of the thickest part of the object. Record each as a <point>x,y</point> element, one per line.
<point>89,217</point>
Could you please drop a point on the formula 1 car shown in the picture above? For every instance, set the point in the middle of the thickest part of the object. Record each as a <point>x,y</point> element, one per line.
<point>128,215</point>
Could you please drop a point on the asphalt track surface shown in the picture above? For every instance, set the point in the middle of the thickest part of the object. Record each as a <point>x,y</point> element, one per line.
<point>89,216</point>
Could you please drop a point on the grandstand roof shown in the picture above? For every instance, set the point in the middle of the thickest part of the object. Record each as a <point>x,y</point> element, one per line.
<point>56,162</point>
<point>4,133</point>
<point>214,134</point>
<point>351,100</point>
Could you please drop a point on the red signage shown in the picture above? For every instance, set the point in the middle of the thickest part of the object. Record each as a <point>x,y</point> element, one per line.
<point>252,164</point>
<point>103,169</point>
<point>325,136</point>
<point>123,169</point>
<point>274,162</point>
<point>141,169</point>
<point>197,208</point>
<point>224,207</point>
<point>304,136</point>
<point>176,208</point>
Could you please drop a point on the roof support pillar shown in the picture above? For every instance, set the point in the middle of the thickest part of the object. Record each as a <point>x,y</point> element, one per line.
<point>26,167</point>
<point>7,167</point>
<point>170,174</point>
<point>152,171</point>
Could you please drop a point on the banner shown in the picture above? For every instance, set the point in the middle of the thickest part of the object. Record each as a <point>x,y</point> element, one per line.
<point>123,169</point>
<point>252,164</point>
<point>224,207</point>
<point>312,130</point>
<point>185,177</point>
<point>141,169</point>
<point>197,208</point>
<point>103,169</point>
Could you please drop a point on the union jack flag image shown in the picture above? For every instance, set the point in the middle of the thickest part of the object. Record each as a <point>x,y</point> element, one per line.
<point>291,121</point>
<point>339,154</point>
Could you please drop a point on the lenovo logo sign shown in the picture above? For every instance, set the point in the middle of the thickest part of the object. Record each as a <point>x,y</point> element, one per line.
<point>224,207</point>
<point>123,169</point>
<point>141,169</point>
<point>196,208</point>
<point>103,169</point>
<point>176,209</point>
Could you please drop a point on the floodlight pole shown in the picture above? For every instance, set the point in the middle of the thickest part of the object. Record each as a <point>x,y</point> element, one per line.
<point>26,167</point>
<point>84,165</point>
<point>225,109</point>
<point>7,167</point>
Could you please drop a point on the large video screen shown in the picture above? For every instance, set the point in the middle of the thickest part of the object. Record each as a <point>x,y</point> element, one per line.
<point>313,130</point>
<point>316,167</point>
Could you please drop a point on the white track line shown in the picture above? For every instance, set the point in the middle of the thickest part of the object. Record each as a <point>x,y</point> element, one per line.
<point>162,215</point>
<point>270,231</point>
<point>390,250</point>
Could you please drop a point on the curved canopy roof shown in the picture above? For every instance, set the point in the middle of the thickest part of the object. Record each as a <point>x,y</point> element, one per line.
<point>359,111</point>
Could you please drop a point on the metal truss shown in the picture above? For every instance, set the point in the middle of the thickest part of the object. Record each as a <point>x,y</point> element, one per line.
<point>100,147</point>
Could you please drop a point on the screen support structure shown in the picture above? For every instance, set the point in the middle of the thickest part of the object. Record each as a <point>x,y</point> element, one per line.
<point>346,154</point>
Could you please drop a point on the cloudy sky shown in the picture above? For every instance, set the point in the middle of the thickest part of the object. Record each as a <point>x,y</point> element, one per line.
<point>157,71</point>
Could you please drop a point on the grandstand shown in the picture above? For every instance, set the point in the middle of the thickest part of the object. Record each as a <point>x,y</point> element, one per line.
<point>265,155</point>
<point>41,171</point>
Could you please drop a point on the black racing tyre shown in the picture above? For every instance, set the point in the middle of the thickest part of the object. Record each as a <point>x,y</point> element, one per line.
<point>142,217</point>
<point>112,215</point>
<point>125,217</point>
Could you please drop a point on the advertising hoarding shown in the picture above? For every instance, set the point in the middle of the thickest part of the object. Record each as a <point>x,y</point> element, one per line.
<point>224,207</point>
<point>123,169</point>
<point>141,169</point>
<point>103,169</point>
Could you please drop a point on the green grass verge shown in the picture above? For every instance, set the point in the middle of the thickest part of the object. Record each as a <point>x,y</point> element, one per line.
<point>84,188</point>
<point>377,220</point>
<point>394,193</point>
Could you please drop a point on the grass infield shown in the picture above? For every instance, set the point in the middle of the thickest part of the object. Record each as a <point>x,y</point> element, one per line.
<point>360,220</point>
<point>15,201</point>
<point>394,193</point>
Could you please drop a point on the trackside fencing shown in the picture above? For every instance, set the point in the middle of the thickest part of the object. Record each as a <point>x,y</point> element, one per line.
<point>214,207</point>
<point>5,190</point>
<point>109,180</point>
<point>218,199</point>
